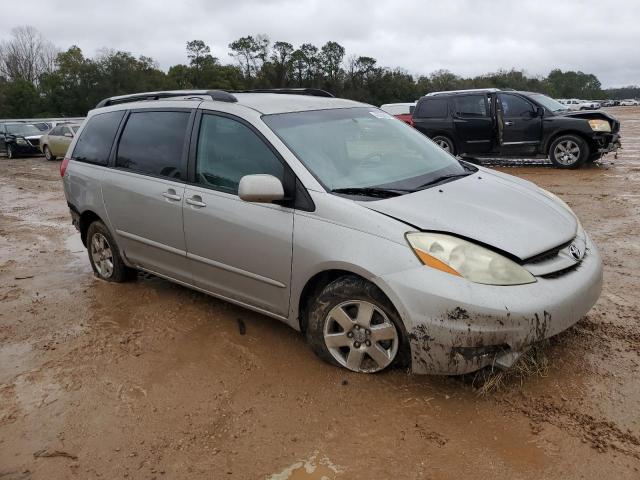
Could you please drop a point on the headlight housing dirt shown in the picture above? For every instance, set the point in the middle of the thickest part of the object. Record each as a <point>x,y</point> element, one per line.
<point>599,125</point>
<point>459,257</point>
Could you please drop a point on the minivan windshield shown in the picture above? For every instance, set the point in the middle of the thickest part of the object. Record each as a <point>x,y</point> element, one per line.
<point>23,129</point>
<point>548,102</point>
<point>364,148</point>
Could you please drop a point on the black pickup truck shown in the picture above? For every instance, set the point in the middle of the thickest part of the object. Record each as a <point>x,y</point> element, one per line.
<point>506,123</point>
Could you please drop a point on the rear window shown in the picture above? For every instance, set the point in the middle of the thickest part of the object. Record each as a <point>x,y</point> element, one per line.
<point>471,105</point>
<point>96,139</point>
<point>433,108</point>
<point>153,143</point>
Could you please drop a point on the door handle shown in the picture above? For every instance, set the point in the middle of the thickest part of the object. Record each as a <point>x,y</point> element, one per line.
<point>196,201</point>
<point>508,123</point>
<point>171,195</point>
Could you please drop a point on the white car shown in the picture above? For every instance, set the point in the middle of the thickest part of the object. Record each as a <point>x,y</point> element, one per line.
<point>576,104</point>
<point>629,103</point>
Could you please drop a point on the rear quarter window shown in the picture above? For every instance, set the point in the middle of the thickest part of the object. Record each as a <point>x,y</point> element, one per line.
<point>94,144</point>
<point>433,108</point>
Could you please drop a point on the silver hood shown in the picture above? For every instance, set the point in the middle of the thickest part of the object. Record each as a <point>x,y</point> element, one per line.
<point>492,208</point>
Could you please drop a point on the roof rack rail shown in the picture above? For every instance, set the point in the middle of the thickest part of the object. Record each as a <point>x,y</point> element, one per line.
<point>468,90</point>
<point>218,95</point>
<point>315,92</point>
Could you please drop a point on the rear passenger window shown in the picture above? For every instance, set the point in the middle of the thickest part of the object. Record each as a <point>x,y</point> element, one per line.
<point>153,143</point>
<point>228,150</point>
<point>433,108</point>
<point>471,106</point>
<point>96,139</point>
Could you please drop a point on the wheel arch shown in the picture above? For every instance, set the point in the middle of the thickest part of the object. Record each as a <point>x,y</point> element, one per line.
<point>323,278</point>
<point>87,218</point>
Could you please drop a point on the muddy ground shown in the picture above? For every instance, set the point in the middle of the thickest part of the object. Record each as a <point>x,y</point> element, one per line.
<point>151,380</point>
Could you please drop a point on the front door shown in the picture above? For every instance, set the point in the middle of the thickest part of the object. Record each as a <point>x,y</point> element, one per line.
<point>144,193</point>
<point>473,124</point>
<point>522,126</point>
<point>236,249</point>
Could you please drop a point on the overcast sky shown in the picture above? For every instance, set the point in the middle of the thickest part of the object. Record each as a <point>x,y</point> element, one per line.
<point>467,37</point>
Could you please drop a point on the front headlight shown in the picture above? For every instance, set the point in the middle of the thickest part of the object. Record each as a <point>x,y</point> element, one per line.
<point>465,259</point>
<point>598,125</point>
<point>21,141</point>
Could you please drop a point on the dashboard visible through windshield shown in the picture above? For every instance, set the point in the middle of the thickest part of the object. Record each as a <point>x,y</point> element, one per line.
<point>363,148</point>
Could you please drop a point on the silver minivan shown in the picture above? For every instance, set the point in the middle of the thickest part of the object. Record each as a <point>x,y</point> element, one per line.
<point>333,217</point>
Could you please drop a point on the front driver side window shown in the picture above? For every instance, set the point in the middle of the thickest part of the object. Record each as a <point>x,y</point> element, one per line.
<point>228,150</point>
<point>514,106</point>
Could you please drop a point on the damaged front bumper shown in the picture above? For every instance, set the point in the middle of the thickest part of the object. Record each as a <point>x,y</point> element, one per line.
<point>456,326</point>
<point>608,142</point>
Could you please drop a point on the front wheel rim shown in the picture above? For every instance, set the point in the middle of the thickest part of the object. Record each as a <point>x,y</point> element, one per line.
<point>102,255</point>
<point>360,336</point>
<point>10,151</point>
<point>47,153</point>
<point>566,152</point>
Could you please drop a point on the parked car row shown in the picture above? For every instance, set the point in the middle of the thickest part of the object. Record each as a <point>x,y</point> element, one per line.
<point>18,138</point>
<point>577,104</point>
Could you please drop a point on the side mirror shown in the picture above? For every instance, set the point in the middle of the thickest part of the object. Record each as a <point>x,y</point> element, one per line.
<point>539,112</point>
<point>260,188</point>
<point>68,135</point>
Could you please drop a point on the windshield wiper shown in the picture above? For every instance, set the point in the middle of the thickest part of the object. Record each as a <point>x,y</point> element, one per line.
<point>444,178</point>
<point>372,191</point>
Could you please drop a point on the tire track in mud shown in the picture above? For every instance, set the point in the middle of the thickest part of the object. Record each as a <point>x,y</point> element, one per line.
<point>601,434</point>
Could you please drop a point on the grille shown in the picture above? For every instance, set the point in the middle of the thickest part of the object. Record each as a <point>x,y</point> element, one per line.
<point>549,254</point>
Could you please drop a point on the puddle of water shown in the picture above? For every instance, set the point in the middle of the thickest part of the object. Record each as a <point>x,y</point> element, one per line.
<point>310,469</point>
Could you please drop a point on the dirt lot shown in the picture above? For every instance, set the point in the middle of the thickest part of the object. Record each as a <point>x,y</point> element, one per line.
<point>152,380</point>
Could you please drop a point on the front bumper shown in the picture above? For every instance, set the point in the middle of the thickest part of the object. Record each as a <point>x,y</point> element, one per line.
<point>456,326</point>
<point>608,142</point>
<point>26,149</point>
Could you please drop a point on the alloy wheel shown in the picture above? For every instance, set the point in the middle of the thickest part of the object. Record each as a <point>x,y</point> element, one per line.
<point>443,144</point>
<point>102,255</point>
<point>47,153</point>
<point>567,152</point>
<point>360,336</point>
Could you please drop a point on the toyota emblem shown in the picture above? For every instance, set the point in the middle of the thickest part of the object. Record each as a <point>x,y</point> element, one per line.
<point>574,251</point>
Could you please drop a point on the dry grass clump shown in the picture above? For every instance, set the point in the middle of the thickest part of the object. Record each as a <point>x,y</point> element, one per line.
<point>533,363</point>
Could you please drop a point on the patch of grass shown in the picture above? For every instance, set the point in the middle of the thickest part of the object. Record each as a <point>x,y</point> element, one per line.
<point>533,363</point>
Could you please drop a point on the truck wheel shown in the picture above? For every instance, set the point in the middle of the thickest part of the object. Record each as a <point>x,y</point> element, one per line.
<point>568,151</point>
<point>445,143</point>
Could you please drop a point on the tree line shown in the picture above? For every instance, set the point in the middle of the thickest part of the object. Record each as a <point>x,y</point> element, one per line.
<point>38,79</point>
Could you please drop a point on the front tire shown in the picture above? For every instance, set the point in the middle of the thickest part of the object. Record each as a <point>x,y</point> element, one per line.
<point>568,151</point>
<point>353,325</point>
<point>445,143</point>
<point>47,153</point>
<point>104,255</point>
<point>10,153</point>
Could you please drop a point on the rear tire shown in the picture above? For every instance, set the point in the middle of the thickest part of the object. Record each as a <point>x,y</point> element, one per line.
<point>47,154</point>
<point>353,325</point>
<point>568,151</point>
<point>445,143</point>
<point>104,255</point>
